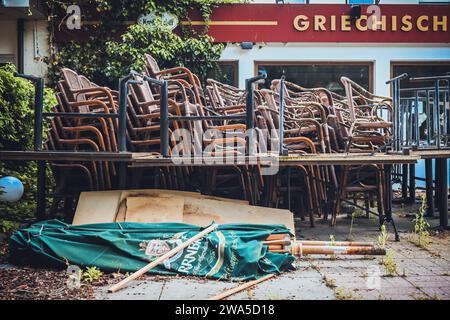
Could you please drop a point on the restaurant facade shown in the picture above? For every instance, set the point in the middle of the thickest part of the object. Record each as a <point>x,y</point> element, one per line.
<point>315,44</point>
<point>312,42</point>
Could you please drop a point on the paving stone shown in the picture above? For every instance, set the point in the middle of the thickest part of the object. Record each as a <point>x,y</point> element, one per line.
<point>426,281</point>
<point>138,290</point>
<point>190,289</point>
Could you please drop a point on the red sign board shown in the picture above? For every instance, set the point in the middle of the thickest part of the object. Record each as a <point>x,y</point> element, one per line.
<point>328,23</point>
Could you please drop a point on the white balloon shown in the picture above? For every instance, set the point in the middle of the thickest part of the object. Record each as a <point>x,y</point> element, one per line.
<point>11,189</point>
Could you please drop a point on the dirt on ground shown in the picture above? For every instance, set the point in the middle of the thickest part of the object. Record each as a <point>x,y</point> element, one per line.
<point>37,284</point>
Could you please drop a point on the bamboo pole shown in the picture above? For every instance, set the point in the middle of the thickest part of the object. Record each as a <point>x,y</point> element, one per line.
<point>300,250</point>
<point>241,287</point>
<point>164,257</point>
<point>282,236</point>
<point>336,243</point>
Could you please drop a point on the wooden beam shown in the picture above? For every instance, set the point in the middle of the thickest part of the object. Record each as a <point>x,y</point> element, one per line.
<point>241,287</point>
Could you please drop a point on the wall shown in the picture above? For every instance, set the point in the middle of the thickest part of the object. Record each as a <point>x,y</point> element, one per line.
<point>380,54</point>
<point>36,48</point>
<point>8,37</point>
<point>35,44</point>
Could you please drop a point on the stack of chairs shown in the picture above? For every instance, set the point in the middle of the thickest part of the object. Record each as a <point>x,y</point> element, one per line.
<point>369,123</point>
<point>185,88</point>
<point>302,134</point>
<point>315,121</point>
<point>358,122</point>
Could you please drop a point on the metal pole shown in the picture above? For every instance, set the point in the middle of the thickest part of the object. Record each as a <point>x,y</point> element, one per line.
<point>436,114</point>
<point>437,184</point>
<point>250,108</point>
<point>428,112</point>
<point>416,119</point>
<point>447,124</point>
<point>123,95</point>
<point>41,165</point>
<point>404,182</point>
<point>163,99</point>
<point>396,118</point>
<point>37,126</point>
<point>281,128</point>
<point>249,104</point>
<point>389,197</point>
<point>442,189</point>
<point>412,183</point>
<point>121,134</point>
<point>389,193</point>
<point>429,186</point>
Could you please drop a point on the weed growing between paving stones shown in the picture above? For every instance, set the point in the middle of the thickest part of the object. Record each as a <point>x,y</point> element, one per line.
<point>389,263</point>
<point>354,215</point>
<point>333,243</point>
<point>92,274</point>
<point>341,295</point>
<point>383,237</point>
<point>421,235</point>
<point>329,282</point>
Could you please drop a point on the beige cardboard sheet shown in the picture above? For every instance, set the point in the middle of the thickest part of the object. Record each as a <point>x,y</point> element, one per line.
<point>163,208</point>
<point>173,206</point>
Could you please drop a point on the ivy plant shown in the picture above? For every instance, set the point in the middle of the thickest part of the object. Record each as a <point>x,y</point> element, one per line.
<point>104,57</point>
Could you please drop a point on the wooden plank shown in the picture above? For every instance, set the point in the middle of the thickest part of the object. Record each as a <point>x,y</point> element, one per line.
<point>432,154</point>
<point>241,287</point>
<point>65,156</point>
<point>150,160</point>
<point>162,208</point>
<point>96,207</point>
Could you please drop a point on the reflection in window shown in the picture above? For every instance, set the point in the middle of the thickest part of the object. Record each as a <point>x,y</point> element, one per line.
<point>420,70</point>
<point>360,1</point>
<point>225,72</point>
<point>319,75</point>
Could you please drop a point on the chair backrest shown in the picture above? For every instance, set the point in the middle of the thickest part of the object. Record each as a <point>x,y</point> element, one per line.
<point>86,83</point>
<point>151,65</point>
<point>141,92</point>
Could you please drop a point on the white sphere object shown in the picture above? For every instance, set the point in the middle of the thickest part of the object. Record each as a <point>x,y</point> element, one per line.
<point>11,189</point>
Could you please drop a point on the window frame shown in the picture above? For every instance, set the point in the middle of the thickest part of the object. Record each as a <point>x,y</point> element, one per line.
<point>8,58</point>
<point>413,63</point>
<point>369,63</point>
<point>235,65</point>
<point>357,4</point>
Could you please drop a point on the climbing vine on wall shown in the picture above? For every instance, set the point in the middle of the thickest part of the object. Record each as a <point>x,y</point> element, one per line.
<point>104,56</point>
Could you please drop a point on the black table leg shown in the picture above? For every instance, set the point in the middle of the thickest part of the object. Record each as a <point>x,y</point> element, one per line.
<point>429,187</point>
<point>442,189</point>
<point>389,196</point>
<point>40,197</point>
<point>412,183</point>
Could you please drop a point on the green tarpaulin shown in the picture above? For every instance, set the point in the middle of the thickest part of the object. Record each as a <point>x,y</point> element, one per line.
<point>232,252</point>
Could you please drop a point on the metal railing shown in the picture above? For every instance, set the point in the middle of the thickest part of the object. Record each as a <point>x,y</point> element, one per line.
<point>423,114</point>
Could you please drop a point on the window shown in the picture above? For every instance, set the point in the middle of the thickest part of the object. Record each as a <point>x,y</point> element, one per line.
<point>319,74</point>
<point>226,72</point>
<point>360,1</point>
<point>419,69</point>
<point>6,58</point>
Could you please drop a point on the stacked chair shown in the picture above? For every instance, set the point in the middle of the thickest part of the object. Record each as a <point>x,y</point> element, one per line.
<point>314,121</point>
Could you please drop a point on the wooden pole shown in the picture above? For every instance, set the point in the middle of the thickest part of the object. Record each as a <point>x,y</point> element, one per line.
<point>161,259</point>
<point>241,287</point>
<point>336,243</point>
<point>299,250</point>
